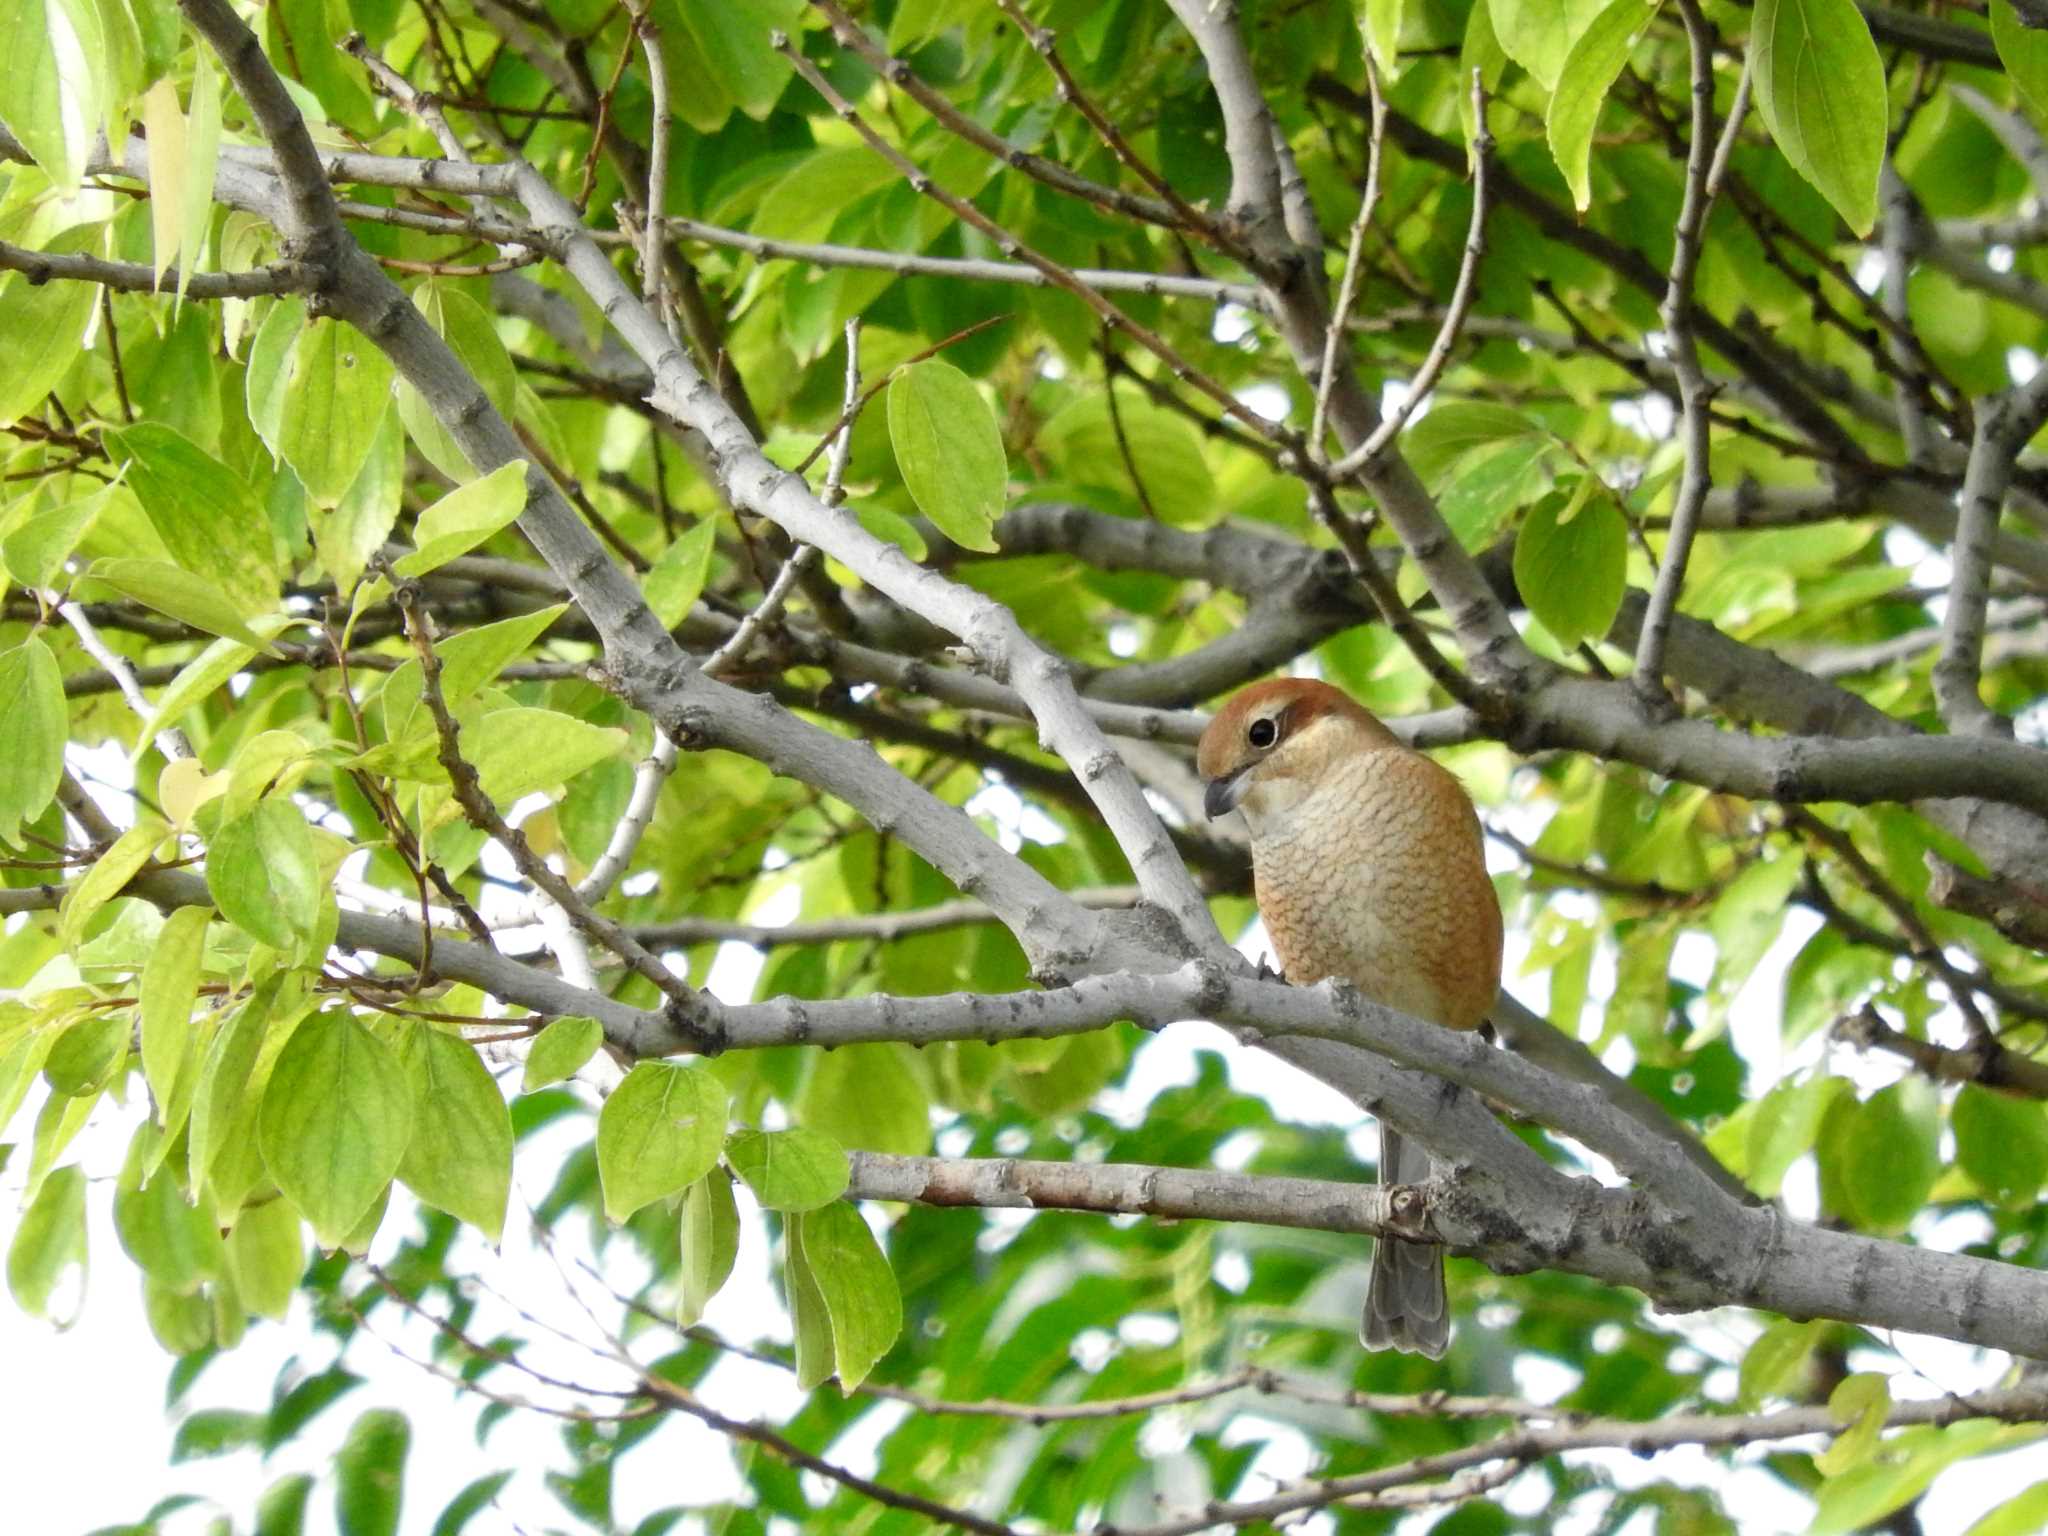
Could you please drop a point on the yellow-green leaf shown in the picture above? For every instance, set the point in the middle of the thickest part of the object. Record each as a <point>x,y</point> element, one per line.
<point>49,1241</point>
<point>336,394</point>
<point>559,1051</point>
<point>858,1289</point>
<point>206,514</point>
<point>266,1255</point>
<point>32,745</point>
<point>109,873</point>
<point>265,875</point>
<point>793,1170</point>
<point>1571,562</point>
<point>676,579</point>
<point>169,993</point>
<point>1821,87</point>
<point>1589,72</point>
<point>517,751</point>
<point>460,1157</point>
<point>949,450</point>
<point>337,1115</point>
<point>711,1242</point>
<point>473,337</point>
<point>173,590</point>
<point>658,1133</point>
<point>465,517</point>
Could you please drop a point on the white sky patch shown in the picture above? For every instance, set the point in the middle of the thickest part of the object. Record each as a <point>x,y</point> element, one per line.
<point>1232,324</point>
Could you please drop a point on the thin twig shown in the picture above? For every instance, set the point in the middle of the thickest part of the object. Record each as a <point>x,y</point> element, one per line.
<point>1705,166</point>
<point>1347,290</point>
<point>1462,294</point>
<point>653,255</point>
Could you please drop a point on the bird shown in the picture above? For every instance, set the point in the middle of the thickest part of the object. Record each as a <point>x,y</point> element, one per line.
<point>1369,867</point>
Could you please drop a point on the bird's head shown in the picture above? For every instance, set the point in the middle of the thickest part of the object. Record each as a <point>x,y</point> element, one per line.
<point>1269,746</point>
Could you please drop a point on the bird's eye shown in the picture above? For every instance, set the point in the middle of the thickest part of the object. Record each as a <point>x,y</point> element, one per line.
<point>1263,734</point>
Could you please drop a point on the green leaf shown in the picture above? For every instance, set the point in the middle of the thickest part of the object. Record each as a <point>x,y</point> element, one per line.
<point>949,450</point>
<point>270,362</point>
<point>59,1121</point>
<point>1786,1125</point>
<point>1539,34</point>
<point>855,1284</point>
<point>660,1131</point>
<point>460,1157</point>
<point>2002,1143</point>
<point>1887,1159</point>
<point>44,323</point>
<point>472,336</point>
<point>1821,87</point>
<point>469,660</point>
<point>2024,52</point>
<point>1479,53</point>
<point>85,1055</point>
<point>1748,916</point>
<point>33,94</point>
<point>336,1117</point>
<point>1571,563</point>
<point>216,1432</point>
<point>676,580</point>
<point>173,590</point>
<point>369,1474</point>
<point>1380,22</point>
<point>1435,445</point>
<point>32,745</point>
<point>1596,60</point>
<point>175,1242</point>
<point>49,1241</point>
<point>267,1255</point>
<point>20,1061</point>
<point>1143,442</point>
<point>356,527</point>
<point>474,1499</point>
<point>2024,1514</point>
<point>202,154</point>
<point>169,992</point>
<point>1912,1458</point>
<point>465,517</point>
<point>1778,1355</point>
<point>559,1052</point>
<point>1860,1404</point>
<point>336,393</point>
<point>517,751</point>
<point>206,514</point>
<point>200,677</point>
<point>35,552</point>
<point>265,876</point>
<point>726,42</point>
<point>183,1325</point>
<point>282,1509</point>
<point>867,1096</point>
<point>109,873</point>
<point>810,1319</point>
<point>711,1242</point>
<point>794,1170</point>
<point>228,1098</point>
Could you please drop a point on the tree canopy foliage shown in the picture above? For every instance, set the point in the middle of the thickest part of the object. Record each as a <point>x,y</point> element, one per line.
<point>510,502</point>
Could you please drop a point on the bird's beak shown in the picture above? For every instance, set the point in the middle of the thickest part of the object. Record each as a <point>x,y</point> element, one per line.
<point>1222,795</point>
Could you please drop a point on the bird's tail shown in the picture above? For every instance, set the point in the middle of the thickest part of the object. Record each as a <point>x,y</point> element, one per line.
<point>1405,1307</point>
